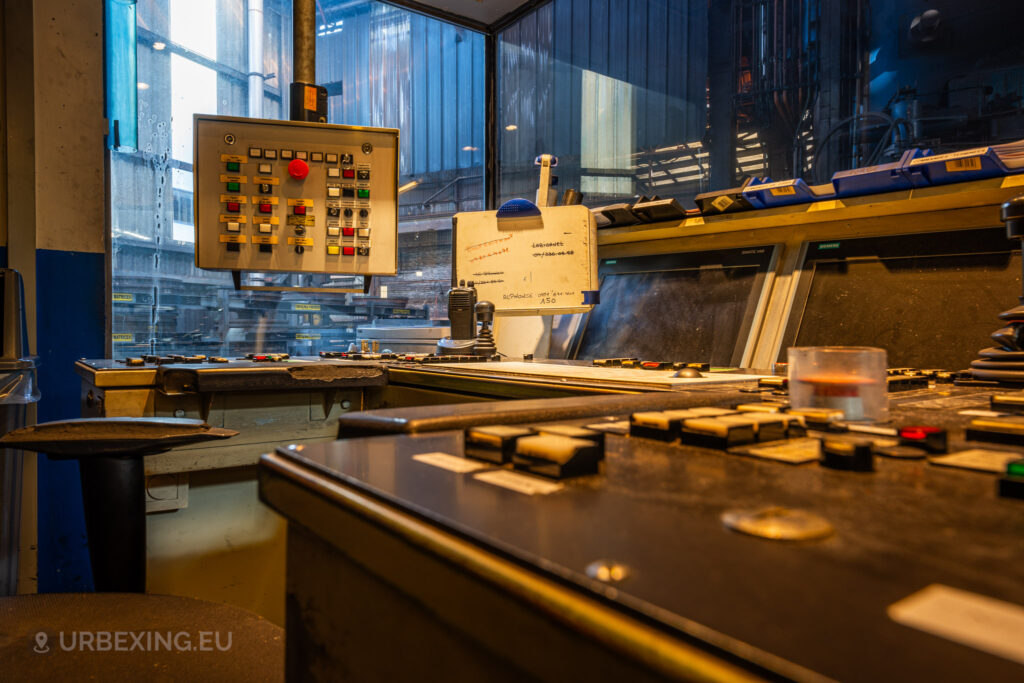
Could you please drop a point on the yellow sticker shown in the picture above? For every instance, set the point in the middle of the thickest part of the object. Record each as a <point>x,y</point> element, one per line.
<point>234,157</point>
<point>116,338</point>
<point>308,221</point>
<point>783,191</point>
<point>309,98</point>
<point>125,297</point>
<point>265,200</point>
<point>264,239</point>
<point>264,220</point>
<point>300,202</point>
<point>969,164</point>
<point>241,199</point>
<point>301,241</point>
<point>233,178</point>
<point>722,203</point>
<point>265,180</point>
<point>305,307</point>
<point>401,311</point>
<point>234,239</point>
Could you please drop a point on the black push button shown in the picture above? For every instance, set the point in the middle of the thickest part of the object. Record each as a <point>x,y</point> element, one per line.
<point>495,443</point>
<point>852,455</point>
<point>558,457</point>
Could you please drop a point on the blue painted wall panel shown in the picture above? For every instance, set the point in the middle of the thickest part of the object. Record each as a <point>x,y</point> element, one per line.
<point>70,325</point>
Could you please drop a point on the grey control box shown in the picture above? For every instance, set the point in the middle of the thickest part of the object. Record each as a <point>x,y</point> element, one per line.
<point>295,197</point>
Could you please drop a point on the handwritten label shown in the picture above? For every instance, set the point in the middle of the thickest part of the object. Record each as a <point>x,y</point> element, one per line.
<point>520,483</point>
<point>447,461</point>
<point>970,619</point>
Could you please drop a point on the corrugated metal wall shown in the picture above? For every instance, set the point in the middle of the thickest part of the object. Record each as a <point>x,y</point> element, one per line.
<point>659,47</point>
<point>400,69</point>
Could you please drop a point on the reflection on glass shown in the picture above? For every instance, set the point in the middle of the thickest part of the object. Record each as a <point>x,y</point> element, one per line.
<point>383,66</point>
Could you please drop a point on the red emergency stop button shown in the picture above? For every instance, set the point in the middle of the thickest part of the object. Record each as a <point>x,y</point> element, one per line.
<point>298,169</point>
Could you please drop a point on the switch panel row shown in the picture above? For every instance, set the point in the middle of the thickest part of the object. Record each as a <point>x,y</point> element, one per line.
<point>295,196</point>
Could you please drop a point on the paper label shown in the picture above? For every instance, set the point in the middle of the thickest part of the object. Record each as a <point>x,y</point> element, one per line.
<point>783,191</point>
<point>957,165</point>
<point>520,483</point>
<point>447,461</point>
<point>978,459</point>
<point>978,621</point>
<point>234,239</point>
<point>722,203</point>
<point>793,451</point>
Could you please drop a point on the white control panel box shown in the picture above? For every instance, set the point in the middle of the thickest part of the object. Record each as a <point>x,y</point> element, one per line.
<point>295,197</point>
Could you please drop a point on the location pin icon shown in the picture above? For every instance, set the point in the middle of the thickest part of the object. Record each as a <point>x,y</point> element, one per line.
<point>41,639</point>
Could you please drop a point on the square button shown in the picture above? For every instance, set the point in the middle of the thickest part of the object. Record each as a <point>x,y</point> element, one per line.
<point>234,207</point>
<point>363,174</point>
<point>234,187</point>
<point>332,158</point>
<point>332,249</point>
<point>348,251</point>
<point>234,166</point>
<point>316,156</point>
<point>266,208</point>
<point>333,231</point>
<point>348,192</point>
<point>333,191</point>
<point>264,227</point>
<point>348,232</point>
<point>287,154</point>
<point>265,168</point>
<point>346,158</point>
<point>301,155</point>
<point>334,173</point>
<point>266,188</point>
<point>363,194</point>
<point>364,232</point>
<point>348,173</point>
<point>300,211</point>
<point>255,152</point>
<point>233,226</point>
<point>364,251</point>
<point>270,154</point>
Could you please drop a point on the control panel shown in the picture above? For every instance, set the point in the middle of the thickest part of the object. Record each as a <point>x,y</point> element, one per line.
<point>295,196</point>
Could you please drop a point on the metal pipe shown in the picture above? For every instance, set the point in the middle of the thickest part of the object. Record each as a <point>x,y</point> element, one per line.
<point>304,41</point>
<point>255,23</point>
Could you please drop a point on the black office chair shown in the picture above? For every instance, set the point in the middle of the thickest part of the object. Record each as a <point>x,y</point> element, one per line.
<point>109,453</point>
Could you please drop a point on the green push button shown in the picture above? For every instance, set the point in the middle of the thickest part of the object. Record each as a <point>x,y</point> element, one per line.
<point>363,194</point>
<point>234,187</point>
<point>1015,468</point>
<point>234,166</point>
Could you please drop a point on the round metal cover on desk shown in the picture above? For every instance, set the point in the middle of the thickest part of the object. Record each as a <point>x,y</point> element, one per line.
<point>778,524</point>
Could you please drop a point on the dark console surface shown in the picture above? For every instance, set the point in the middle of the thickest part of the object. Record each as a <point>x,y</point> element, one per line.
<point>808,608</point>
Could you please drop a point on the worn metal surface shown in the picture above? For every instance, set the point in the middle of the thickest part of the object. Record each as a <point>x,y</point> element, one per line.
<point>111,436</point>
<point>657,508</point>
<point>432,418</point>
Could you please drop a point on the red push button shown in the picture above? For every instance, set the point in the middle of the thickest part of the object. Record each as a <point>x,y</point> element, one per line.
<point>298,169</point>
<point>266,208</point>
<point>348,232</point>
<point>300,211</point>
<point>348,173</point>
<point>234,207</point>
<point>348,251</point>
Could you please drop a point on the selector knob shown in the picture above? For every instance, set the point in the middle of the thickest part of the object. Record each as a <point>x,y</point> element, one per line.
<point>298,169</point>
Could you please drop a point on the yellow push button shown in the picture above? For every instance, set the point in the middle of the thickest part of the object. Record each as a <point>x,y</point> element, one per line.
<point>332,250</point>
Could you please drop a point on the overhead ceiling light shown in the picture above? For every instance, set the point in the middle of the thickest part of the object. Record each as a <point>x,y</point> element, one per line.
<point>511,126</point>
<point>408,186</point>
<point>143,86</point>
<point>159,46</point>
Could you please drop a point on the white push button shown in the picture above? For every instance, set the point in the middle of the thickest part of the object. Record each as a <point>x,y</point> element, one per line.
<point>233,226</point>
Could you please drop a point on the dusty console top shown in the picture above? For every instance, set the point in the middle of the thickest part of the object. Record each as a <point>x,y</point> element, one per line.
<point>905,544</point>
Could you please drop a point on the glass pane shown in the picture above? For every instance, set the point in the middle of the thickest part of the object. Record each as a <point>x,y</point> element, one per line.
<point>676,97</point>
<point>193,58</point>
